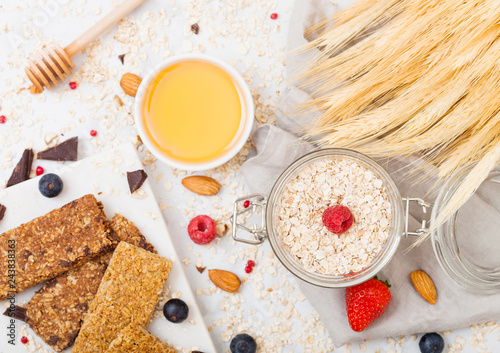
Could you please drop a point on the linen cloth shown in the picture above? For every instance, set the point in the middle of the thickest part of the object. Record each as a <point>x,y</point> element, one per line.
<point>408,313</point>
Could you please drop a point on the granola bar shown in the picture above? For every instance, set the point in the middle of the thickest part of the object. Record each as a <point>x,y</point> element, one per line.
<point>124,230</point>
<point>56,311</point>
<point>135,338</point>
<point>52,244</point>
<point>127,294</point>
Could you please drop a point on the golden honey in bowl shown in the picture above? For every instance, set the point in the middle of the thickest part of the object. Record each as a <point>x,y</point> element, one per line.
<point>193,112</point>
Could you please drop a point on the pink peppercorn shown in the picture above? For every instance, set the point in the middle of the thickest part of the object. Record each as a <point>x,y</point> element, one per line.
<point>73,85</point>
<point>2,119</point>
<point>246,204</point>
<point>248,269</point>
<point>274,16</point>
<point>39,170</point>
<point>251,263</point>
<point>24,340</point>
<point>93,133</point>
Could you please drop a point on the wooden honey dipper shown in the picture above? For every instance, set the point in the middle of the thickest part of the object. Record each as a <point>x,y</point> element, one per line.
<point>51,64</point>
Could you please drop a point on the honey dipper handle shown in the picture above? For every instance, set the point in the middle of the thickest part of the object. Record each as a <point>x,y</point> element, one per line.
<point>100,27</point>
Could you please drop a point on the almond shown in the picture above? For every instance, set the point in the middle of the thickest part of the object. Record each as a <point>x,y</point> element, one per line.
<point>225,280</point>
<point>201,185</point>
<point>221,229</point>
<point>424,286</point>
<point>130,83</point>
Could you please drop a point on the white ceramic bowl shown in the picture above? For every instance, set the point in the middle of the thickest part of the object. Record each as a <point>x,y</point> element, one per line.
<point>247,112</point>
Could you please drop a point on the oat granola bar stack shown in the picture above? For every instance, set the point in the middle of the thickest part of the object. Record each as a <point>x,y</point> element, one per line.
<point>53,244</point>
<point>56,311</point>
<point>128,294</point>
<point>135,338</point>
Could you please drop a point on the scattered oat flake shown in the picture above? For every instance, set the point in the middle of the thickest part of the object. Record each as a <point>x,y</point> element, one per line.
<point>118,101</point>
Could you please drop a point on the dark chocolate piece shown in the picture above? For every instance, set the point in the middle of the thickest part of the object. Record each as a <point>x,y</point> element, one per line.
<point>136,179</point>
<point>18,312</point>
<point>65,151</point>
<point>122,58</point>
<point>195,28</point>
<point>2,211</point>
<point>23,168</point>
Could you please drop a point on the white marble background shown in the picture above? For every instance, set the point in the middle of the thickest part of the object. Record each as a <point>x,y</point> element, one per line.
<point>241,32</point>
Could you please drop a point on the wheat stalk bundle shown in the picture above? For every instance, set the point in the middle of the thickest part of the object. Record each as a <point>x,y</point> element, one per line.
<point>398,78</point>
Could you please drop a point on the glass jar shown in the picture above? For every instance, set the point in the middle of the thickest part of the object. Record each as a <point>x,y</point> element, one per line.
<point>268,206</point>
<point>471,257</point>
<point>466,250</point>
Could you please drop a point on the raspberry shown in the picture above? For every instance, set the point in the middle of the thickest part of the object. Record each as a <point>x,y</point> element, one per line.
<point>250,263</point>
<point>274,16</point>
<point>2,119</point>
<point>338,219</point>
<point>39,170</point>
<point>201,229</point>
<point>73,85</point>
<point>248,269</point>
<point>93,133</point>
<point>24,340</point>
<point>246,204</point>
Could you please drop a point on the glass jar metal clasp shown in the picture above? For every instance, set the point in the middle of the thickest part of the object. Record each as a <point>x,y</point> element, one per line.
<point>425,223</point>
<point>257,203</point>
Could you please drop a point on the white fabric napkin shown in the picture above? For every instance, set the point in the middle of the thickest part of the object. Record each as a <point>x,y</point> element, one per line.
<point>408,313</point>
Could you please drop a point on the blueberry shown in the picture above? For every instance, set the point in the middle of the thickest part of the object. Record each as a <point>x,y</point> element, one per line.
<point>431,343</point>
<point>50,185</point>
<point>243,343</point>
<point>176,310</point>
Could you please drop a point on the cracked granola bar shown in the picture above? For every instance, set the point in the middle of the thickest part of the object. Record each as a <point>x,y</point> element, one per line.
<point>56,311</point>
<point>135,338</point>
<point>127,294</point>
<point>124,230</point>
<point>52,244</point>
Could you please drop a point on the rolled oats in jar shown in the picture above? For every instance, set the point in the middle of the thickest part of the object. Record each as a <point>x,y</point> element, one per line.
<point>329,182</point>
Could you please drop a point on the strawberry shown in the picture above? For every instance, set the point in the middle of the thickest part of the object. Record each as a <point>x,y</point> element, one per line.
<point>366,302</point>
